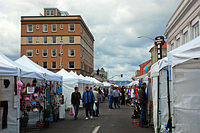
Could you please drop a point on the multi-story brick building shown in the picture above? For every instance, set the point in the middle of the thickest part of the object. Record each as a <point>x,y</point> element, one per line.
<point>58,40</point>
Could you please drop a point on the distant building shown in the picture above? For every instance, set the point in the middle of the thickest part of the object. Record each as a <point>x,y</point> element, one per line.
<point>143,65</point>
<point>154,53</point>
<point>100,75</point>
<point>183,25</point>
<point>58,40</point>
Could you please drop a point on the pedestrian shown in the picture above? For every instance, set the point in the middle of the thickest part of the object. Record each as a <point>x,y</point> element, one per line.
<point>116,95</point>
<point>110,96</point>
<point>143,104</point>
<point>88,100</point>
<point>97,101</point>
<point>75,101</point>
<point>123,95</point>
<point>132,96</point>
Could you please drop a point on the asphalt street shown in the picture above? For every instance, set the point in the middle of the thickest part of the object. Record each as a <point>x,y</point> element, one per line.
<point>109,121</point>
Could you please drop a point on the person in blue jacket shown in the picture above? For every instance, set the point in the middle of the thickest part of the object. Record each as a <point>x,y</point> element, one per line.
<point>88,100</point>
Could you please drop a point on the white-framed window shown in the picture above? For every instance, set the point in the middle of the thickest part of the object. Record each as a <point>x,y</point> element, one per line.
<point>37,26</point>
<point>53,52</point>
<point>37,51</point>
<point>196,30</point>
<point>44,64</point>
<point>37,39</point>
<point>47,13</point>
<point>53,28</point>
<point>71,52</point>
<point>52,12</point>
<point>44,52</point>
<point>185,37</point>
<point>71,65</point>
<point>178,41</point>
<point>29,39</point>
<point>53,39</point>
<point>61,38</point>
<point>71,28</point>
<point>53,64</point>
<point>45,28</point>
<point>29,28</point>
<point>29,53</point>
<point>45,39</point>
<point>71,39</point>
<point>61,26</point>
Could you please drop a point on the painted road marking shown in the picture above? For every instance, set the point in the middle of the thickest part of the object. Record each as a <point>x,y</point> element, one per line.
<point>96,129</point>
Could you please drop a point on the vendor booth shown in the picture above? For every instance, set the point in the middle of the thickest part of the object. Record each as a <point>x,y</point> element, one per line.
<point>185,74</point>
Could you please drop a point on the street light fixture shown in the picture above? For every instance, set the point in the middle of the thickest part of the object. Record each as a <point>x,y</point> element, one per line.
<point>146,37</point>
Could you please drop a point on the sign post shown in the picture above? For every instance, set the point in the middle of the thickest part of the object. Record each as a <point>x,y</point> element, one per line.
<point>159,41</point>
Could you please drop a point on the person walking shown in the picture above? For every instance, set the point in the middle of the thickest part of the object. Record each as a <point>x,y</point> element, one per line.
<point>143,104</point>
<point>75,101</point>
<point>123,95</point>
<point>116,95</point>
<point>97,101</point>
<point>88,99</point>
<point>110,96</point>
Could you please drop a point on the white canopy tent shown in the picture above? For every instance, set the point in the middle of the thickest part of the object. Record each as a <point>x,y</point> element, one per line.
<point>48,75</point>
<point>133,83</point>
<point>185,69</point>
<point>106,84</point>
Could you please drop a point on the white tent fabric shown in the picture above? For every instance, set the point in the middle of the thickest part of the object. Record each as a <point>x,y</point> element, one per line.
<point>163,63</point>
<point>7,67</point>
<point>155,69</point>
<point>134,83</point>
<point>185,62</point>
<point>48,75</point>
<point>106,84</point>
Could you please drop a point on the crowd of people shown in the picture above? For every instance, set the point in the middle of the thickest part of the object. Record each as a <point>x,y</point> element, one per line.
<point>134,96</point>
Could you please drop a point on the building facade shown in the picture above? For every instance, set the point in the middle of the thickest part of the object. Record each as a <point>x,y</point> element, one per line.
<point>58,40</point>
<point>183,25</point>
<point>143,65</point>
<point>100,75</point>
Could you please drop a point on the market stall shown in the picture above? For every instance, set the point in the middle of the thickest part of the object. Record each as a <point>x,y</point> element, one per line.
<point>185,75</point>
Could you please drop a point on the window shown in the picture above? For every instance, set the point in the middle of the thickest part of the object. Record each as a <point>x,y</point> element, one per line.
<point>29,28</point>
<point>61,51</point>
<point>60,62</point>
<point>71,39</point>
<point>185,37</point>
<point>37,39</point>
<point>44,52</point>
<point>71,64</point>
<point>61,38</point>
<point>45,39</point>
<point>37,26</point>
<point>29,53</point>
<point>44,64</point>
<point>37,51</point>
<point>53,39</point>
<point>178,42</point>
<point>52,12</point>
<point>71,52</point>
<point>45,27</point>
<point>37,62</point>
<point>53,28</point>
<point>196,30</point>
<point>53,64</point>
<point>61,26</point>
<point>47,13</point>
<point>71,28</point>
<point>29,40</point>
<point>53,52</point>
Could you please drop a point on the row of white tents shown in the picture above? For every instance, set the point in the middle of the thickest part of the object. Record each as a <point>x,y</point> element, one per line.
<point>27,69</point>
<point>175,88</point>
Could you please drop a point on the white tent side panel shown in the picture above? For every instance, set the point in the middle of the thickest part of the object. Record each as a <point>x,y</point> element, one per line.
<point>187,96</point>
<point>163,105</point>
<point>7,94</point>
<point>155,97</point>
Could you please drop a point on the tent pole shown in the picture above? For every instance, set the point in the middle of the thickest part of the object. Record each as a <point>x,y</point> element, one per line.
<point>18,102</point>
<point>158,110</point>
<point>168,100</point>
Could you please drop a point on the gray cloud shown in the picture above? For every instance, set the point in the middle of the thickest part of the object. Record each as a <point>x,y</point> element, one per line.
<point>115,25</point>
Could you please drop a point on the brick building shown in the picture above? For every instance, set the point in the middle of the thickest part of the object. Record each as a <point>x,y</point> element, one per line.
<point>143,65</point>
<point>58,40</point>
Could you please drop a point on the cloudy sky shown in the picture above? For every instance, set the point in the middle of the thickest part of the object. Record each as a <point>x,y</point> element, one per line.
<point>115,24</point>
